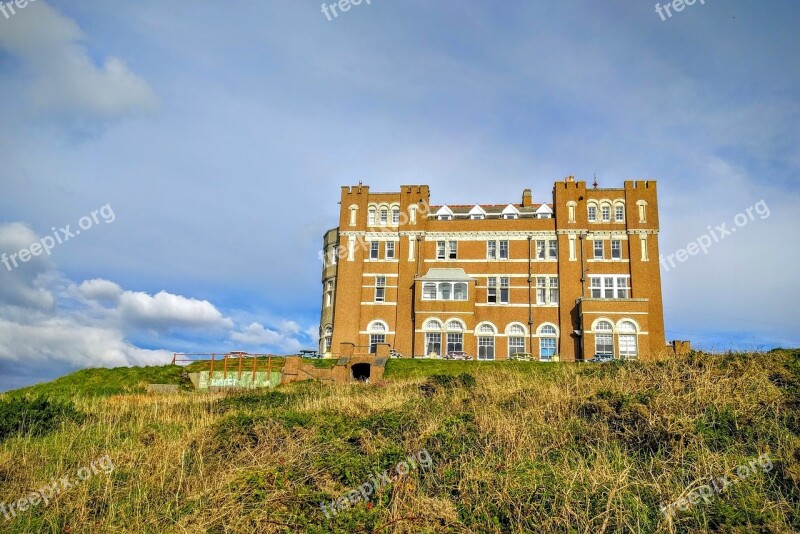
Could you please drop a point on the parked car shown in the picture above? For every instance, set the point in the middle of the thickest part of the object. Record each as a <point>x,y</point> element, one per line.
<point>601,358</point>
<point>457,355</point>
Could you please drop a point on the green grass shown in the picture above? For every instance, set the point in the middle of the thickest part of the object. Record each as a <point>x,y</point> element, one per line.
<point>400,368</point>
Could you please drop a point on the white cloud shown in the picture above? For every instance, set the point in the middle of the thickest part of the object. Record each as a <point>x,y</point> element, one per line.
<point>256,335</point>
<point>59,77</point>
<point>99,289</point>
<point>165,310</point>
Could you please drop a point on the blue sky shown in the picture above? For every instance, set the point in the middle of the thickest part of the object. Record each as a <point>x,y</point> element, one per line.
<point>219,134</point>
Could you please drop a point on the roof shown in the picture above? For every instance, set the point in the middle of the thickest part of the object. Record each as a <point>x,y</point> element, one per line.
<point>450,275</point>
<point>489,209</point>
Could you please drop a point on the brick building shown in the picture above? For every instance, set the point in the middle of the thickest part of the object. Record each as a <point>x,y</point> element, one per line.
<point>569,279</point>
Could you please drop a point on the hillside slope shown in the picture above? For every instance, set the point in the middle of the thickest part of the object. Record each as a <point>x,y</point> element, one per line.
<point>543,448</point>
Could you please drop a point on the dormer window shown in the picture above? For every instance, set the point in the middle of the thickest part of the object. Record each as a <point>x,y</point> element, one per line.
<point>510,212</point>
<point>445,217</point>
<point>477,213</point>
<point>444,214</point>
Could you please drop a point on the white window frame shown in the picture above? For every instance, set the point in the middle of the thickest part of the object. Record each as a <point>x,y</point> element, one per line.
<point>390,250</point>
<point>617,285</point>
<point>503,246</point>
<point>380,289</point>
<point>599,254</point>
<point>616,246</point>
<point>491,250</point>
<point>374,250</point>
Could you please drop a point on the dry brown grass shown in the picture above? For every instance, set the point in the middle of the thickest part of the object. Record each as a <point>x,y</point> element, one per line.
<point>581,449</point>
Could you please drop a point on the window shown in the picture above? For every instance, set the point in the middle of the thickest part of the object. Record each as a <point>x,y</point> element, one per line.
<point>395,215</point>
<point>433,324</point>
<point>571,212</point>
<point>377,335</point>
<point>380,289</point>
<point>616,249</point>
<point>546,249</point>
<point>540,249</point>
<point>429,291</point>
<point>371,216</point>
<point>454,326</point>
<point>413,215</point>
<point>627,340</point>
<point>440,250</point>
<point>384,215</point>
<point>476,216</point>
<point>598,250</point>
<point>504,290</point>
<point>546,290</point>
<point>510,216</point>
<point>452,250</point>
<point>460,291</point>
<point>504,249</point>
<point>547,342</point>
<point>455,342</point>
<point>604,339</point>
<point>486,342</point>
<point>592,213</point>
<point>609,287</point>
<point>605,213</point>
<point>433,343</point>
<point>516,345</point>
<point>328,293</point>
<point>373,250</point>
<point>619,213</point>
<point>643,243</point>
<point>491,290</point>
<point>642,205</point>
<point>328,339</point>
<point>444,291</point>
<point>353,215</point>
<point>491,250</point>
<point>389,250</point>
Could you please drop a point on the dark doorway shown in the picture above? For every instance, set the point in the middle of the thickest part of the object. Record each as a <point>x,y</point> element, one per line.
<point>361,372</point>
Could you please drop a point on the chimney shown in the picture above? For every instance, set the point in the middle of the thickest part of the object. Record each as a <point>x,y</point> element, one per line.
<point>527,198</point>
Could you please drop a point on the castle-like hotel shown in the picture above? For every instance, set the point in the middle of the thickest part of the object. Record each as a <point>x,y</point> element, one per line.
<point>565,280</point>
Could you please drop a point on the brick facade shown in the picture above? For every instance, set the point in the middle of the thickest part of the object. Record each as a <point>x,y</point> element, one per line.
<point>493,280</point>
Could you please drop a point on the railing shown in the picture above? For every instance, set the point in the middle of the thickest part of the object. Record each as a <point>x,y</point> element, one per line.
<point>237,360</point>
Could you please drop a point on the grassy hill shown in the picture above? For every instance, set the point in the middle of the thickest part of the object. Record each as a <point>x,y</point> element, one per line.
<point>507,447</point>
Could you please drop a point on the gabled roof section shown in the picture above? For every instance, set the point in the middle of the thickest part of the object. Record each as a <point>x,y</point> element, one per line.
<point>444,210</point>
<point>477,210</point>
<point>510,209</point>
<point>544,208</point>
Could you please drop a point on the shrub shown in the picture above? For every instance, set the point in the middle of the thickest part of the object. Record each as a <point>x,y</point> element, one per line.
<point>35,416</point>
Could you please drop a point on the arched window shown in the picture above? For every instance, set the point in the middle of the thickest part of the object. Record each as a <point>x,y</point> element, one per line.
<point>548,341</point>
<point>592,212</point>
<point>395,215</point>
<point>516,339</point>
<point>353,215</point>
<point>384,216</point>
<point>486,341</point>
<point>604,339</point>
<point>642,206</point>
<point>619,212</point>
<point>433,337</point>
<point>455,336</point>
<point>371,216</point>
<point>377,335</point>
<point>454,326</point>
<point>605,212</point>
<point>628,345</point>
<point>433,324</point>
<point>328,339</point>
